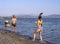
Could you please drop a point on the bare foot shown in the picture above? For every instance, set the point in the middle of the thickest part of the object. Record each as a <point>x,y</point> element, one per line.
<point>33,39</point>
<point>40,41</point>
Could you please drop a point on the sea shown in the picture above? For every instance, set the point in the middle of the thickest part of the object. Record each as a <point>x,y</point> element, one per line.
<point>27,26</point>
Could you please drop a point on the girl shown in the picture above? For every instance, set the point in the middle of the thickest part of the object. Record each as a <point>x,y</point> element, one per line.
<point>39,28</point>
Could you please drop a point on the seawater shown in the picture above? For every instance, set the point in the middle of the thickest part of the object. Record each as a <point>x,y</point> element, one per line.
<point>27,26</point>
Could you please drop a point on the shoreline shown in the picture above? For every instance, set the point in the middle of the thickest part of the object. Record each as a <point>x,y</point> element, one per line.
<point>9,37</point>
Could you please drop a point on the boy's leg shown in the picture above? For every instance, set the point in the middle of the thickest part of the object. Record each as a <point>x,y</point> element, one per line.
<point>14,29</point>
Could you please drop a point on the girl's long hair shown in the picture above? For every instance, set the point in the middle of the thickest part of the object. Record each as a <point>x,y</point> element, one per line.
<point>40,17</point>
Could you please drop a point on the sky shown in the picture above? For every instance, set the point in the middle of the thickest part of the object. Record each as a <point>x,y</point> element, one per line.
<point>29,7</point>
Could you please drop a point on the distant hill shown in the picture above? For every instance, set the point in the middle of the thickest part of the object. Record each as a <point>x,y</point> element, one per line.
<point>53,16</point>
<point>32,16</point>
<point>26,16</point>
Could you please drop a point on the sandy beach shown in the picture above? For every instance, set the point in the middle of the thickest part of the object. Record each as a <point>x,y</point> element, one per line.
<point>13,38</point>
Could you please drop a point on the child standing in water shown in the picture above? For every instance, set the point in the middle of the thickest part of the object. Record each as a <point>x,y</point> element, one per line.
<point>14,23</point>
<point>39,28</point>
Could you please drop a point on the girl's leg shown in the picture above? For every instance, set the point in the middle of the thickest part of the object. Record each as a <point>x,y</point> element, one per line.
<point>40,35</point>
<point>34,36</point>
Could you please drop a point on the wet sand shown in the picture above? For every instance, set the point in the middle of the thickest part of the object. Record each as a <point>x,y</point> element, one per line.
<point>13,38</point>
